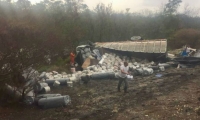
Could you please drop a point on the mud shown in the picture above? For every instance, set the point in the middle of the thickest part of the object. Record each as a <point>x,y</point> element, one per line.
<point>173,96</point>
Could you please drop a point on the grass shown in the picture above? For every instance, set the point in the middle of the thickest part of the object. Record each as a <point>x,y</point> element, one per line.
<point>60,65</point>
<point>50,68</point>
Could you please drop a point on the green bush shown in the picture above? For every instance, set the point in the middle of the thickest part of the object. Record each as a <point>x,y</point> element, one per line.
<point>42,68</point>
<point>50,68</point>
<point>60,65</point>
<point>62,62</point>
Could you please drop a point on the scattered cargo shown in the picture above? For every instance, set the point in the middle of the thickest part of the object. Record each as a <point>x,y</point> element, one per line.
<point>54,102</point>
<point>144,57</point>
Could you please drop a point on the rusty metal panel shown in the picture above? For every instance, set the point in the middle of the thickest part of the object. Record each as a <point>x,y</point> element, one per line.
<point>143,46</point>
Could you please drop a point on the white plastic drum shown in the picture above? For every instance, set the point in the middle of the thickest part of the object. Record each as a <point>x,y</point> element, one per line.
<point>46,89</point>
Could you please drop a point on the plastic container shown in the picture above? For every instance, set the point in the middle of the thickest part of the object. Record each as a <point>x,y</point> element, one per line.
<point>147,71</point>
<point>39,86</point>
<point>166,65</point>
<point>73,79</point>
<point>162,68</point>
<point>56,83</point>
<point>73,70</point>
<point>70,84</point>
<point>45,89</point>
<point>42,75</point>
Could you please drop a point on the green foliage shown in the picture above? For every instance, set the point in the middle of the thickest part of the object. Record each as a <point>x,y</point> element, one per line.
<point>59,65</point>
<point>43,68</point>
<point>50,68</point>
<point>60,62</point>
<point>67,23</point>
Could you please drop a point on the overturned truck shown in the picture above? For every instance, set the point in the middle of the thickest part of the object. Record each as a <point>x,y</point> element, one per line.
<point>152,50</point>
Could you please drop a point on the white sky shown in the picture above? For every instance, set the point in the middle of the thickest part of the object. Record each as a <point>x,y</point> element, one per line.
<point>136,5</point>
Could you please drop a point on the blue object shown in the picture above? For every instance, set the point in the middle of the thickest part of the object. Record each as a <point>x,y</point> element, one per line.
<point>184,53</point>
<point>158,75</point>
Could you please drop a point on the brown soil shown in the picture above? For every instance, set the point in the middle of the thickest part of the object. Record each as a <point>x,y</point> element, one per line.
<point>175,96</point>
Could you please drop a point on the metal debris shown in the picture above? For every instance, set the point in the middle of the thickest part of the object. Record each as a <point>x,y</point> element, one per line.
<point>145,46</point>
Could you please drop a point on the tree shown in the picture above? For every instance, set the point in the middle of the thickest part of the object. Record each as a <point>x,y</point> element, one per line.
<point>23,44</point>
<point>19,50</point>
<point>171,7</point>
<point>170,20</point>
<point>103,21</point>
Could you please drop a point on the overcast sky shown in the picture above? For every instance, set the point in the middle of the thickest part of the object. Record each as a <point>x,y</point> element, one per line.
<point>136,5</point>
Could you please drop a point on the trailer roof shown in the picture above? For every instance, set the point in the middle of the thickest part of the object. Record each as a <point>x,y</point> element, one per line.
<point>145,46</point>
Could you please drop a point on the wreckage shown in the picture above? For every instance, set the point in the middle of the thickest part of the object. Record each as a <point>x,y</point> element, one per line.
<point>152,50</point>
<point>98,61</point>
<point>191,60</point>
<point>106,68</point>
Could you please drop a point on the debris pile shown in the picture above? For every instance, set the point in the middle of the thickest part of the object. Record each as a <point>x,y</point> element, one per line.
<point>110,63</point>
<point>55,79</point>
<point>86,51</point>
<point>38,85</point>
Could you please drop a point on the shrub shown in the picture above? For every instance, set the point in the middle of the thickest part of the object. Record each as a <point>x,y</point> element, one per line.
<point>186,37</point>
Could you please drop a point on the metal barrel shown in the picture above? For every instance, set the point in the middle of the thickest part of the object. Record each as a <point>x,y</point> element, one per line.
<point>104,75</point>
<point>45,96</point>
<point>63,81</point>
<point>13,92</point>
<point>54,102</point>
